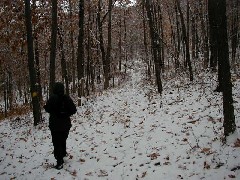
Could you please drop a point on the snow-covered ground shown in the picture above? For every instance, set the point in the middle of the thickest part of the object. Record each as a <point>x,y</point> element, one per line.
<point>129,133</point>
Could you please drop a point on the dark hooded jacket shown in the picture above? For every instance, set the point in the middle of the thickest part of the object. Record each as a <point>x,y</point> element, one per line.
<point>61,107</point>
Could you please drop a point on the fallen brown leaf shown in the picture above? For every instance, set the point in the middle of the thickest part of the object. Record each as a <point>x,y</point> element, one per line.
<point>74,173</point>
<point>206,165</point>
<point>237,143</point>
<point>153,156</point>
<point>205,150</point>
<point>231,176</point>
<point>144,174</point>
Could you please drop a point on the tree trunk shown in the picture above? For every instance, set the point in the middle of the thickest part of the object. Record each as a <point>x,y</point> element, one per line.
<point>100,33</point>
<point>147,60</point>
<point>36,50</point>
<point>38,69</point>
<point>72,47</point>
<point>63,60</point>
<point>193,34</point>
<point>155,44</point>
<point>178,37</point>
<point>214,23</point>
<point>219,21</point>
<point>186,40</point>
<point>80,53</point>
<point>212,15</point>
<point>223,55</point>
<point>9,90</point>
<point>162,38</point>
<point>53,45</point>
<point>204,34</point>
<point>88,74</point>
<point>234,31</point>
<point>125,40</point>
<point>5,99</point>
<point>120,43</point>
<point>109,46</point>
<point>32,72</point>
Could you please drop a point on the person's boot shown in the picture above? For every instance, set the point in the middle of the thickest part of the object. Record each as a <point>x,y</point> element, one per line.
<point>59,165</point>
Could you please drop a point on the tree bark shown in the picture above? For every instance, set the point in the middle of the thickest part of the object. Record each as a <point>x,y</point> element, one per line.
<point>147,60</point>
<point>219,21</point>
<point>155,44</point>
<point>234,31</point>
<point>63,60</point>
<point>80,52</point>
<point>223,55</point>
<point>32,71</point>
<point>212,15</point>
<point>73,64</point>
<point>109,45</point>
<point>53,45</point>
<point>100,34</point>
<point>214,23</point>
<point>186,40</point>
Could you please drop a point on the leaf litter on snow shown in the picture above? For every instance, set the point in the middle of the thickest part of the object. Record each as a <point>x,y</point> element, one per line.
<point>132,133</point>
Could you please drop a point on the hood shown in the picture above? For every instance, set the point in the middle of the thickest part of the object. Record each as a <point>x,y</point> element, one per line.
<point>58,88</point>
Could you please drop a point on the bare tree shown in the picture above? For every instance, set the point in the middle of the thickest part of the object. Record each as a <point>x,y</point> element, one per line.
<point>186,39</point>
<point>219,8</point>
<point>155,43</point>
<point>53,45</point>
<point>32,71</point>
<point>80,51</point>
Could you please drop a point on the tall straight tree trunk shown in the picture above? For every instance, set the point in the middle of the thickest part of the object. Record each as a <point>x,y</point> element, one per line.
<point>120,43</point>
<point>53,45</point>
<point>223,56</point>
<point>32,72</point>
<point>63,60</point>
<point>5,99</point>
<point>9,89</point>
<point>109,45</point>
<point>100,33</point>
<point>155,44</point>
<point>147,60</point>
<point>38,69</point>
<point>162,37</point>
<point>234,31</point>
<point>204,34</point>
<point>37,58</point>
<point>214,23</point>
<point>186,40</point>
<point>220,23</point>
<point>80,53</point>
<point>193,29</point>
<point>88,53</point>
<point>73,64</point>
<point>173,40</point>
<point>125,40</point>
<point>105,55</point>
<point>178,36</point>
<point>212,15</point>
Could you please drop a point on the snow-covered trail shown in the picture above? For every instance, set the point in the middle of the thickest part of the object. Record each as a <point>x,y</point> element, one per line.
<point>129,133</point>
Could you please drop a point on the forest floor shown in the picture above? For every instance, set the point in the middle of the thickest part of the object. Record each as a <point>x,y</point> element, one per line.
<point>131,132</point>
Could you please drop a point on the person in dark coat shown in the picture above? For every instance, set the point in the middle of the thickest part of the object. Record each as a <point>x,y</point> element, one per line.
<point>60,107</point>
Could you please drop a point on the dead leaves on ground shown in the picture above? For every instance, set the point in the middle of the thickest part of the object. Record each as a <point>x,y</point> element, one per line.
<point>207,151</point>
<point>237,143</point>
<point>102,173</point>
<point>153,156</point>
<point>206,165</point>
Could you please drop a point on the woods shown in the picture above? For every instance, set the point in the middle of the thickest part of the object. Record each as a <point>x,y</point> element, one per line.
<point>89,45</point>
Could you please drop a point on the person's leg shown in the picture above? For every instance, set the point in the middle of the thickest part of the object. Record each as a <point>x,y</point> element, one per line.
<point>57,144</point>
<point>64,146</point>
